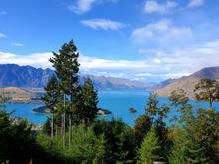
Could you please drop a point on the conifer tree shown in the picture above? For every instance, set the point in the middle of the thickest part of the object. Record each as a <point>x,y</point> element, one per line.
<point>89,101</point>
<point>52,97</point>
<point>66,68</point>
<point>148,152</point>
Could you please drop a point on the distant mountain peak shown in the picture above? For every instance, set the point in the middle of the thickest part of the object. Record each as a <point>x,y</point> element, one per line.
<point>13,75</point>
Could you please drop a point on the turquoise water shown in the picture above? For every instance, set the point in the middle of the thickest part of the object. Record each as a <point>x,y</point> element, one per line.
<point>116,101</point>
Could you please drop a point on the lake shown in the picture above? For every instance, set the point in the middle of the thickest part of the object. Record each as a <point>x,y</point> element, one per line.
<point>116,101</point>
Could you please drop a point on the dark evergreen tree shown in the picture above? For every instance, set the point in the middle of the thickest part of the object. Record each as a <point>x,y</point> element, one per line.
<point>52,97</point>
<point>120,141</point>
<point>150,148</point>
<point>89,100</point>
<point>66,68</point>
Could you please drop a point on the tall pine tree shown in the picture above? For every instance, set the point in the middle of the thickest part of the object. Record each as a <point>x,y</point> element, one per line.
<point>66,68</point>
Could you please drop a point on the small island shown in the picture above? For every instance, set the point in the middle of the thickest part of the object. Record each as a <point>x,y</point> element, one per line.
<point>45,110</point>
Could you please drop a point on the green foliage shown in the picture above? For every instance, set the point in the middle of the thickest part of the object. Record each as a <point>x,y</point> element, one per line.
<point>194,134</point>
<point>85,147</point>
<point>207,90</point>
<point>184,110</point>
<point>142,126</point>
<point>197,134</point>
<point>178,98</point>
<point>180,149</point>
<point>66,65</point>
<point>88,102</point>
<point>154,111</point>
<point>47,126</point>
<point>150,147</point>
<point>152,106</point>
<point>53,94</point>
<point>120,140</point>
<point>16,139</point>
<point>195,142</point>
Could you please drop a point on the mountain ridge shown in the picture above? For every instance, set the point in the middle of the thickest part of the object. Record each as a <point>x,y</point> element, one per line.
<point>13,75</point>
<point>188,82</point>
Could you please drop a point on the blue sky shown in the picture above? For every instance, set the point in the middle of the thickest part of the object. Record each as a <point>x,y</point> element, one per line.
<point>146,40</point>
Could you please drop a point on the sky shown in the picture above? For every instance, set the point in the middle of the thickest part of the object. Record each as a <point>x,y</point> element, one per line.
<point>146,40</point>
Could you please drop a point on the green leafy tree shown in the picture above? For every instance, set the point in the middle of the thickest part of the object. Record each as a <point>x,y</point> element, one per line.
<point>184,110</point>
<point>207,90</point>
<point>196,135</point>
<point>195,143</point>
<point>204,132</point>
<point>148,152</point>
<point>152,106</point>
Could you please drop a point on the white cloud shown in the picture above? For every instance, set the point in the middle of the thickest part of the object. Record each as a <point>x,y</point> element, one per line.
<point>159,65</point>
<point>3,12</point>
<point>153,6</point>
<point>36,60</point>
<point>212,44</point>
<point>17,44</point>
<point>143,74</point>
<point>2,35</point>
<point>195,3</point>
<point>83,6</point>
<point>161,31</point>
<point>103,24</point>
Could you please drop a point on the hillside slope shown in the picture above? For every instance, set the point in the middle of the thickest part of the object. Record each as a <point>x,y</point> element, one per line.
<point>188,82</point>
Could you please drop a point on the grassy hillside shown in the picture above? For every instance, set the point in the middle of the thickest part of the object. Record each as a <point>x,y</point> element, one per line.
<point>16,95</point>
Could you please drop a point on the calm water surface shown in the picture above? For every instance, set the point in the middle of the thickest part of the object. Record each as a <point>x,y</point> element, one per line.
<point>116,101</point>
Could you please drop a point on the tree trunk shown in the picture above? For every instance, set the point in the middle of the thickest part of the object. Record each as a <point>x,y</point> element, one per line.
<point>63,135</point>
<point>210,105</point>
<point>70,131</point>
<point>52,127</point>
<point>64,131</point>
<point>56,131</point>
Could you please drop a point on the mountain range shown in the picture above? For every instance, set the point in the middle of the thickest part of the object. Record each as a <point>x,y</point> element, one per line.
<point>188,82</point>
<point>12,75</point>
